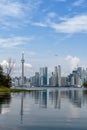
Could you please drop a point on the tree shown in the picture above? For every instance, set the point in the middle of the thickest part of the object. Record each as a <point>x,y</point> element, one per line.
<point>9,67</point>
<point>5,74</point>
<point>1,75</point>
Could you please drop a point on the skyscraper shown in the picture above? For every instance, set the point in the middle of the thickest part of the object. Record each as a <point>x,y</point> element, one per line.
<point>37,79</point>
<point>52,80</point>
<point>43,76</point>
<point>57,73</point>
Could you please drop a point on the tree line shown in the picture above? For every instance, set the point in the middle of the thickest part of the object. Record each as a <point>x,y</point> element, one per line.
<point>5,74</point>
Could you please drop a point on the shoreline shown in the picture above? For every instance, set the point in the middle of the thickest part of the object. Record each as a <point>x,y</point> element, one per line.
<point>4,89</point>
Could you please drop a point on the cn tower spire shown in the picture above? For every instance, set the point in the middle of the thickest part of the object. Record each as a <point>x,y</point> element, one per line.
<point>22,61</point>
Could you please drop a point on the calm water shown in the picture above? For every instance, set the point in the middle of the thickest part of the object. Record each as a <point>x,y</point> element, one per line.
<point>50,109</point>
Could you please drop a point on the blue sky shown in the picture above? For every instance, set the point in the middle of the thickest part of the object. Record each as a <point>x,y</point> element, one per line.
<point>50,32</point>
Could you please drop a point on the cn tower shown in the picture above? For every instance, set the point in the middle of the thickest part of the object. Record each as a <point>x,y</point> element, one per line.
<point>22,61</point>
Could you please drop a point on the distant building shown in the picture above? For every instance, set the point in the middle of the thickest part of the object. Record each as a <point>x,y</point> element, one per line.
<point>63,81</point>
<point>37,79</point>
<point>52,80</point>
<point>57,73</point>
<point>72,83</point>
<point>74,79</point>
<point>43,76</point>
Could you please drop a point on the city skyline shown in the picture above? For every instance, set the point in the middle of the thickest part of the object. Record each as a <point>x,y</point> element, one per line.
<point>49,32</point>
<point>42,78</point>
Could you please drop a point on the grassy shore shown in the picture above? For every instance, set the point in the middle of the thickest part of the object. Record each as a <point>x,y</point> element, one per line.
<point>4,89</point>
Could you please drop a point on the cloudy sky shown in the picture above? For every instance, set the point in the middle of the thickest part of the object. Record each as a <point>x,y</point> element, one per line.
<point>50,32</point>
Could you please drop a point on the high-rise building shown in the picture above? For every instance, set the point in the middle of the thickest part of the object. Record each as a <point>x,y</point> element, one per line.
<point>63,81</point>
<point>37,79</point>
<point>72,83</point>
<point>74,79</point>
<point>78,80</point>
<point>43,76</point>
<point>52,80</point>
<point>57,73</point>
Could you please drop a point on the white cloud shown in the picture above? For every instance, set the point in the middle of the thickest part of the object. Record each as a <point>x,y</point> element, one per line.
<point>11,8</point>
<point>28,65</point>
<point>78,2</point>
<point>39,24</point>
<point>75,24</point>
<point>14,13</point>
<point>14,41</point>
<point>51,15</point>
<point>73,61</point>
<point>4,63</point>
<point>15,8</point>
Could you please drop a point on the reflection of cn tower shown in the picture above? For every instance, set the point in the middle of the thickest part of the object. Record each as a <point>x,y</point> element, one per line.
<point>22,61</point>
<point>21,108</point>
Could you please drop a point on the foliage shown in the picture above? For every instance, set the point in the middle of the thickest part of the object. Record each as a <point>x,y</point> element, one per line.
<point>85,84</point>
<point>7,90</point>
<point>5,79</point>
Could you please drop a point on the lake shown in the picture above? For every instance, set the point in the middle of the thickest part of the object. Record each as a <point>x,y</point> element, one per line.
<point>46,109</point>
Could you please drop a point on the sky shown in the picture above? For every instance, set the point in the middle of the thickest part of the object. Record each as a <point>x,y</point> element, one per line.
<point>50,32</point>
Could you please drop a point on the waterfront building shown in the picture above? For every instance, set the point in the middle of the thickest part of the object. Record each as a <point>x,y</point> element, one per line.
<point>37,79</point>
<point>57,73</point>
<point>16,83</point>
<point>52,80</point>
<point>43,76</point>
<point>32,81</point>
<point>72,83</point>
<point>78,80</point>
<point>74,79</point>
<point>63,81</point>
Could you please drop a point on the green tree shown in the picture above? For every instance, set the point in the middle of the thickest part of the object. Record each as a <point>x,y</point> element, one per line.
<point>5,79</point>
<point>1,76</point>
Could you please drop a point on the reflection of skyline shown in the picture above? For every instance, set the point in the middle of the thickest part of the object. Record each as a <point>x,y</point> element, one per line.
<point>56,96</point>
<point>75,98</point>
<point>45,99</point>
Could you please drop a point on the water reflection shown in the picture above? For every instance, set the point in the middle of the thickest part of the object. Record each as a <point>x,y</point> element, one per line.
<point>43,98</point>
<point>22,98</point>
<point>5,99</point>
<point>75,98</point>
<point>55,97</point>
<point>49,107</point>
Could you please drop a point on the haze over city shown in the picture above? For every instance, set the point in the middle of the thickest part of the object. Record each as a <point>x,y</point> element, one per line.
<point>50,32</point>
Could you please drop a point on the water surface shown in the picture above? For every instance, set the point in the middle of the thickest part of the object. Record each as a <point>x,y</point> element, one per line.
<point>49,109</point>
